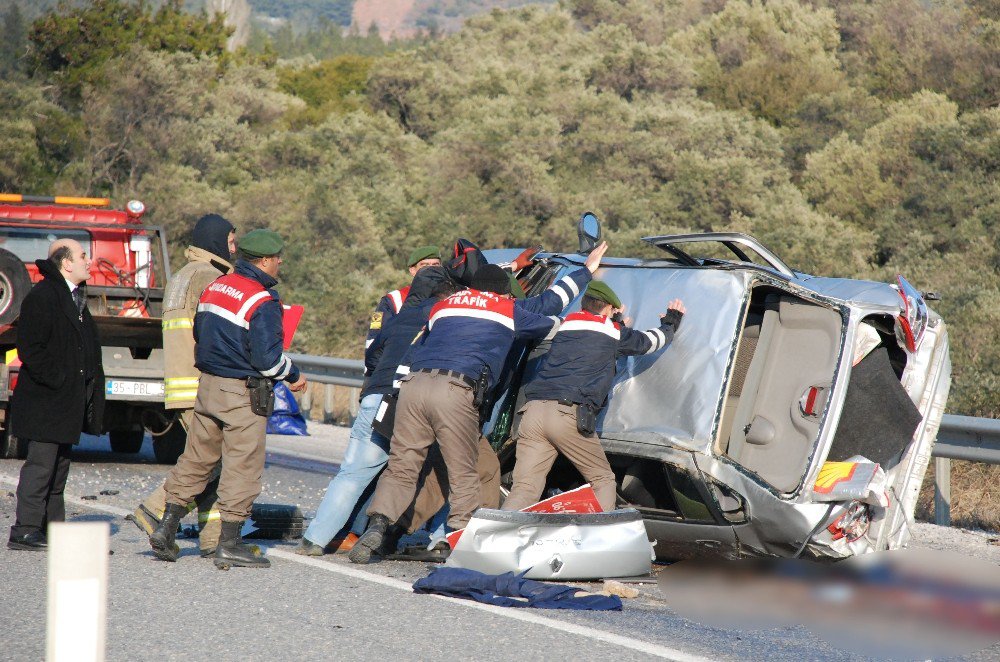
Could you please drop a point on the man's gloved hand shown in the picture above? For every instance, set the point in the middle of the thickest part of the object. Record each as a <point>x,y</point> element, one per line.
<point>525,258</point>
<point>675,311</point>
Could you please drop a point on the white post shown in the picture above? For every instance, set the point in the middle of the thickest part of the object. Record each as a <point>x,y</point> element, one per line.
<point>78,591</point>
<point>328,416</point>
<point>353,403</point>
<point>942,491</point>
<point>307,403</point>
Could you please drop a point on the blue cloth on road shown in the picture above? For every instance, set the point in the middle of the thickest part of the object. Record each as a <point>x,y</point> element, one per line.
<point>510,590</point>
<point>287,417</point>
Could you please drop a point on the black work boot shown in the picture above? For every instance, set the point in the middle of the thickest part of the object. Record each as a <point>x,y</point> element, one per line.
<point>371,540</point>
<point>390,540</point>
<point>231,550</point>
<point>162,538</point>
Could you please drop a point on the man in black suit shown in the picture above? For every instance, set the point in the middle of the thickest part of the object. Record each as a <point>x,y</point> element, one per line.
<point>59,391</point>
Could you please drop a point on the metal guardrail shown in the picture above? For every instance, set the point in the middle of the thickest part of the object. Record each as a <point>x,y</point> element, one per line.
<point>327,370</point>
<point>959,438</point>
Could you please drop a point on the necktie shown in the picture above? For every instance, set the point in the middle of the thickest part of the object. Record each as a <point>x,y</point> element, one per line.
<point>80,299</point>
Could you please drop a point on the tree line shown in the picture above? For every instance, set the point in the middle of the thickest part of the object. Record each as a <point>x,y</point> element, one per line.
<point>854,138</point>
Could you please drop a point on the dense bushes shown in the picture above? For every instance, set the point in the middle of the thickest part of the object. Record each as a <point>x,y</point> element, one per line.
<point>855,138</point>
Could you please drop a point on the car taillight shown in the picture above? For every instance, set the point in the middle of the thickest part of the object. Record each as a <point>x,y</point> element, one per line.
<point>853,524</point>
<point>912,319</point>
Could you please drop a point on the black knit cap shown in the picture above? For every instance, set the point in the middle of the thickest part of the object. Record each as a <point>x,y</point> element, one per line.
<point>491,278</point>
<point>211,233</point>
<point>427,281</point>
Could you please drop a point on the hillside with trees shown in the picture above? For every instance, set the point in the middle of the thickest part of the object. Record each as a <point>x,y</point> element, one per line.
<point>854,138</point>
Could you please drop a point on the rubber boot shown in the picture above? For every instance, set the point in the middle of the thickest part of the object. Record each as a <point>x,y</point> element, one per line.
<point>162,539</point>
<point>231,550</point>
<point>371,540</point>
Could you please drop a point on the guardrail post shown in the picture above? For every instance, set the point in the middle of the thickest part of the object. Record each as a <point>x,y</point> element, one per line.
<point>942,491</point>
<point>307,403</point>
<point>353,395</point>
<point>328,416</point>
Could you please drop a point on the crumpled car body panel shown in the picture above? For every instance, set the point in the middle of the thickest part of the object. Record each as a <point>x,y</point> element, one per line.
<point>669,425</point>
<point>554,545</point>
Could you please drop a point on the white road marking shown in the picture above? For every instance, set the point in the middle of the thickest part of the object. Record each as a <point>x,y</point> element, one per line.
<point>512,613</point>
<point>507,612</point>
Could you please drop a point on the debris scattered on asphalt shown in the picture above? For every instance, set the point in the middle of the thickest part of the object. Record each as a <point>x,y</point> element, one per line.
<point>109,492</point>
<point>612,587</point>
<point>89,497</point>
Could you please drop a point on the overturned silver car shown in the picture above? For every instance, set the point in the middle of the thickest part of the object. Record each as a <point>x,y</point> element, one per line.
<point>792,415</point>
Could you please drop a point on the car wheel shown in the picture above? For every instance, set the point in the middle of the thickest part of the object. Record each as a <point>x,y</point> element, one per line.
<point>168,446</point>
<point>14,286</point>
<point>126,441</point>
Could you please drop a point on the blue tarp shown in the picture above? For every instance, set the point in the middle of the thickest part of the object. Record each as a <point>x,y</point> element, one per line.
<point>286,418</point>
<point>510,590</point>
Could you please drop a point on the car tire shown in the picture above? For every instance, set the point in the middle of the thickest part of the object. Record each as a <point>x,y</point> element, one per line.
<point>276,522</point>
<point>126,441</point>
<point>14,286</point>
<point>168,446</point>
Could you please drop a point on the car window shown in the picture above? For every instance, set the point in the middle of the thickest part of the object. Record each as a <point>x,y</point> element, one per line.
<point>32,244</point>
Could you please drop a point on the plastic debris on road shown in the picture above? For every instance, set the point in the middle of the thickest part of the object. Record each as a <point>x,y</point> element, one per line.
<point>287,418</point>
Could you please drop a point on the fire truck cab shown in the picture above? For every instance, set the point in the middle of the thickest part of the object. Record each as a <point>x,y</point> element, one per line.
<point>124,295</point>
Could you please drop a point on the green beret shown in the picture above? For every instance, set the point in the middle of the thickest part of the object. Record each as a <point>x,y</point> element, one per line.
<point>423,253</point>
<point>261,243</point>
<point>516,289</point>
<point>602,292</point>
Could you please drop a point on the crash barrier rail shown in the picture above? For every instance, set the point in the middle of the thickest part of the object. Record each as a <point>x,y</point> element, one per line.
<point>960,437</point>
<point>330,372</point>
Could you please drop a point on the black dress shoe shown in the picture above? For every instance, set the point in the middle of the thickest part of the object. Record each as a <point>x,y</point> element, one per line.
<point>30,542</point>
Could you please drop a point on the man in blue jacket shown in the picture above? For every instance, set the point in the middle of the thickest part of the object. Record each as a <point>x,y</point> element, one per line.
<point>239,339</point>
<point>368,450</point>
<point>453,367</point>
<point>571,387</point>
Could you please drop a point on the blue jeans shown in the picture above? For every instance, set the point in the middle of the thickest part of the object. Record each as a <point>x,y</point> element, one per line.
<point>367,454</point>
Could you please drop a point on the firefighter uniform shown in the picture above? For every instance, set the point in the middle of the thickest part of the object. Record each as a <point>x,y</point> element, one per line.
<point>238,330</point>
<point>208,257</point>
<point>468,337</point>
<point>577,372</point>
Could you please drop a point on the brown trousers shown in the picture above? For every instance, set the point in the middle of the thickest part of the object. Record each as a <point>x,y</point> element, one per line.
<point>432,407</point>
<point>223,428</point>
<point>209,523</point>
<point>547,429</point>
<point>432,491</point>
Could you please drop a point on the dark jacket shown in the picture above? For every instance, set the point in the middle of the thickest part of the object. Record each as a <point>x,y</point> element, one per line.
<point>580,365</point>
<point>473,330</point>
<point>237,329</point>
<point>60,365</point>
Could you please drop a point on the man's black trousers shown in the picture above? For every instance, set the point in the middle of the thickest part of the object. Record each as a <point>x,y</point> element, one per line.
<point>40,489</point>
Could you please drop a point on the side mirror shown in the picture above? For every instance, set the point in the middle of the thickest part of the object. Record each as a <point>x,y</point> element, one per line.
<point>588,229</point>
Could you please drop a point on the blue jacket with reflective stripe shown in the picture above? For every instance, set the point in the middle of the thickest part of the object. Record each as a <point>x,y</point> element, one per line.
<point>471,329</point>
<point>238,327</point>
<point>580,365</point>
<point>390,345</point>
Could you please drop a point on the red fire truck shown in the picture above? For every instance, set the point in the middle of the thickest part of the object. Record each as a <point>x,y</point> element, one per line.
<point>124,294</point>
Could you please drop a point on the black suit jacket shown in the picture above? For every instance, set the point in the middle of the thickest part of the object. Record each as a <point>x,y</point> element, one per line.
<point>61,372</point>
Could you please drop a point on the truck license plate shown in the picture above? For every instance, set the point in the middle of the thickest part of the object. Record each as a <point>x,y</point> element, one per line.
<point>119,387</point>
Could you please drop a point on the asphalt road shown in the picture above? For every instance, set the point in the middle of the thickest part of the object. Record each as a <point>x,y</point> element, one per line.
<point>307,608</point>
